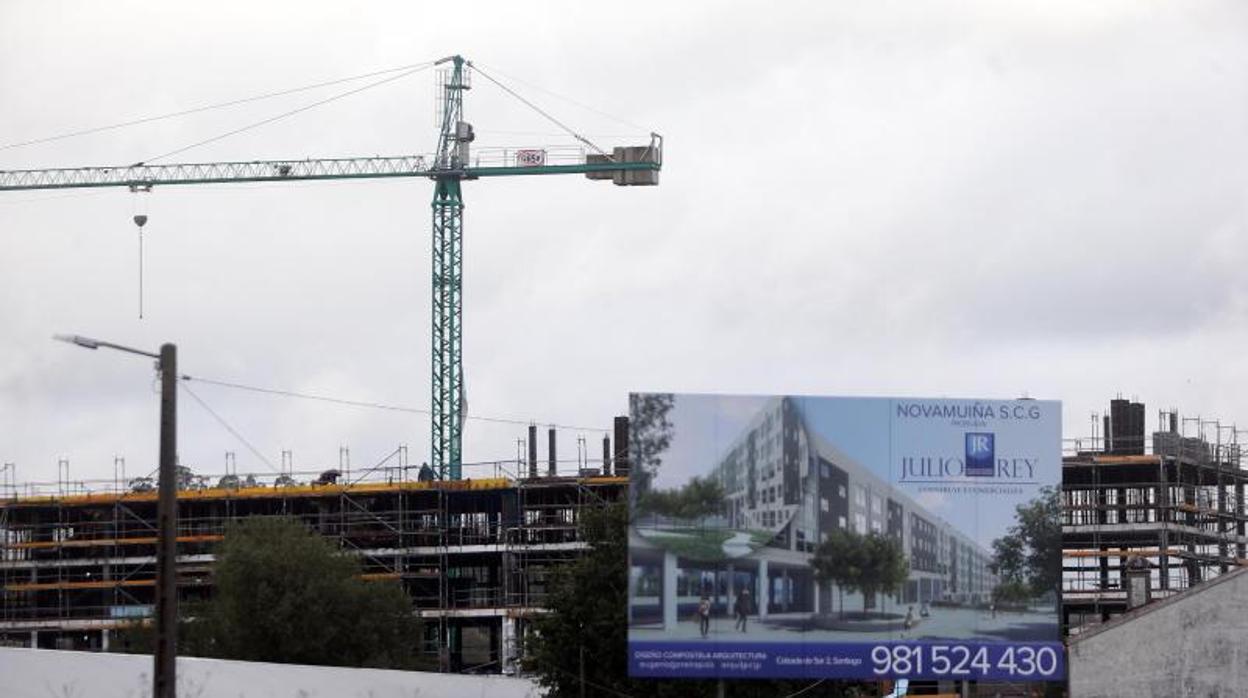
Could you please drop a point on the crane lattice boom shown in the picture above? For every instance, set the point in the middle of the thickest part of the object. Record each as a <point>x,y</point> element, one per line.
<point>141,176</point>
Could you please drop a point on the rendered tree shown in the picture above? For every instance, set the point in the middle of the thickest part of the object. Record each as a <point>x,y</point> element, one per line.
<point>650,435</point>
<point>1030,552</point>
<point>1011,591</point>
<point>1040,525</point>
<point>1009,559</point>
<point>871,563</point>
<point>696,499</point>
<point>837,560</point>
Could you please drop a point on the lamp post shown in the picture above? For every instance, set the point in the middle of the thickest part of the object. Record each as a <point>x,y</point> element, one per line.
<point>164,677</point>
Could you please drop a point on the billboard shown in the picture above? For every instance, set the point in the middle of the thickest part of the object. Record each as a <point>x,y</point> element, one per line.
<point>837,537</point>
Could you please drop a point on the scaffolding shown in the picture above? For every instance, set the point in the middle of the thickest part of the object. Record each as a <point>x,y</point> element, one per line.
<point>1174,501</point>
<point>77,559</point>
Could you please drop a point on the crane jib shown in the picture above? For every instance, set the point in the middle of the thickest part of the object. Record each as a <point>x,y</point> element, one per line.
<point>286,170</point>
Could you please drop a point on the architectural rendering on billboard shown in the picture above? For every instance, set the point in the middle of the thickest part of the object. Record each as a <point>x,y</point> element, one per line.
<point>844,538</point>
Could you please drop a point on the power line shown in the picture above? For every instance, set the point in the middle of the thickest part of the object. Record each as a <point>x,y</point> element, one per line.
<point>232,430</point>
<point>208,107</point>
<point>283,115</point>
<point>381,405</point>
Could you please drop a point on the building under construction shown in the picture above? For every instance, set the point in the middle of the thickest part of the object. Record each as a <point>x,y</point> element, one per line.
<point>1173,502</point>
<point>473,554</point>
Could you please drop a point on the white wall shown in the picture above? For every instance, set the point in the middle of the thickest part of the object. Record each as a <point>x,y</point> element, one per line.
<point>1191,644</point>
<point>27,673</point>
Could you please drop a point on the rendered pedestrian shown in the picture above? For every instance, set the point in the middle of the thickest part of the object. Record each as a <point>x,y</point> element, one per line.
<point>704,616</point>
<point>742,608</point>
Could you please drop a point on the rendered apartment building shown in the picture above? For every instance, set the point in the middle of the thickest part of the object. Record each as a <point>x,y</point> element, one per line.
<point>782,476</point>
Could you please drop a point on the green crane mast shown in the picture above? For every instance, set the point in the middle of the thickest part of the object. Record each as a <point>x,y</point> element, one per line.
<point>447,379</point>
<point>449,167</point>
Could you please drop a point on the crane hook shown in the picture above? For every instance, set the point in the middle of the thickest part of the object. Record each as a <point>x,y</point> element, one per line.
<point>140,220</point>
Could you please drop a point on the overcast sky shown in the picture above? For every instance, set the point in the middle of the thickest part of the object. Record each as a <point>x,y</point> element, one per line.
<point>935,199</point>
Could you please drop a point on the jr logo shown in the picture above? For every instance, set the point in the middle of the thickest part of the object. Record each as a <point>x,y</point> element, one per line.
<point>980,454</point>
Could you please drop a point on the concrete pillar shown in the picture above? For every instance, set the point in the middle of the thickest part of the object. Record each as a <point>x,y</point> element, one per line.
<point>34,639</point>
<point>669,591</point>
<point>507,644</point>
<point>732,587</point>
<point>104,640</point>
<point>815,590</point>
<point>1240,551</point>
<point>1163,515</point>
<point>764,589</point>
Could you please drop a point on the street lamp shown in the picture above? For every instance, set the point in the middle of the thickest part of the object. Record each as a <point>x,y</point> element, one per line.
<point>164,677</point>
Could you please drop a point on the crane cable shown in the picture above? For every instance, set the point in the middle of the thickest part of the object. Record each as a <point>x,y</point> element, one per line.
<point>210,107</point>
<point>232,430</point>
<point>620,120</point>
<point>283,115</point>
<point>544,113</point>
<point>140,220</point>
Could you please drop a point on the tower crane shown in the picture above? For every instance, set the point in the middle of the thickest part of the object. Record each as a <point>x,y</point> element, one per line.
<point>448,167</point>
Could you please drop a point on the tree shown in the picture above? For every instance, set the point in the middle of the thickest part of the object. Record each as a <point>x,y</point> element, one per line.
<point>588,627</point>
<point>285,594</point>
<point>871,563</point>
<point>1031,550</point>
